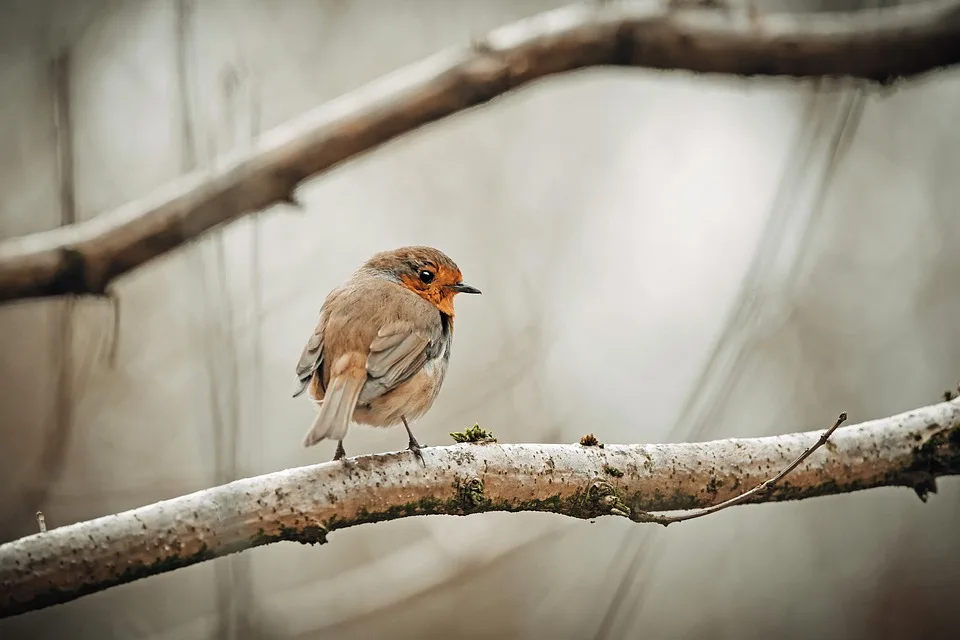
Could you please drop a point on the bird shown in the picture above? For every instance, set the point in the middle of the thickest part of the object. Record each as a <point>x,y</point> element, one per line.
<point>381,347</point>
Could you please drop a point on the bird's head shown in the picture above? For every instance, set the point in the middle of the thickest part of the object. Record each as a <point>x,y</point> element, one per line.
<point>426,271</point>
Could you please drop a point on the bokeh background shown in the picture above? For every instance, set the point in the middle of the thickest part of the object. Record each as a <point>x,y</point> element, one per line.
<point>663,256</point>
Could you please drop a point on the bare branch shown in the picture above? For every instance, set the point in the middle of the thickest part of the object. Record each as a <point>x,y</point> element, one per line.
<point>306,504</point>
<point>877,46</point>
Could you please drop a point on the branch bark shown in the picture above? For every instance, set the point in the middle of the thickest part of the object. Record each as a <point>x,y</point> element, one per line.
<point>306,504</point>
<point>875,46</point>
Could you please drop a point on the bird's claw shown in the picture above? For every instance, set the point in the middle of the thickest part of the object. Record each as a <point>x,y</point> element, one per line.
<point>414,446</point>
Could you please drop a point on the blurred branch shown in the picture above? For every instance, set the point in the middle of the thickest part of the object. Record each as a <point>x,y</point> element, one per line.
<point>876,46</point>
<point>306,504</point>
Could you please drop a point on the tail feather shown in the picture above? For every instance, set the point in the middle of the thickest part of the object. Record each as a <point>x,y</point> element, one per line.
<point>336,410</point>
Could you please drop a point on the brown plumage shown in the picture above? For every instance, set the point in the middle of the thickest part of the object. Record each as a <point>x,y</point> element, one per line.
<point>379,353</point>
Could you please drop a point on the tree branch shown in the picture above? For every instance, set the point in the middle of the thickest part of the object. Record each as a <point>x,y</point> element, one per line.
<point>306,504</point>
<point>877,46</point>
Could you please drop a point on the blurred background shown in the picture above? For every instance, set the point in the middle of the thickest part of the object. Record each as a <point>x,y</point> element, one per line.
<point>663,257</point>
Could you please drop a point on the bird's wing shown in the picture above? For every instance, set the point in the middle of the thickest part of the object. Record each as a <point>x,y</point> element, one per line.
<point>399,351</point>
<point>311,358</point>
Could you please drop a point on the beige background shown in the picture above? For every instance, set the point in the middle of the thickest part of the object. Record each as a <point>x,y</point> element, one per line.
<point>662,256</point>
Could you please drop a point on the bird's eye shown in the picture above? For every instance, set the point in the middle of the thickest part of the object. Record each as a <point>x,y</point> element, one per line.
<point>426,276</point>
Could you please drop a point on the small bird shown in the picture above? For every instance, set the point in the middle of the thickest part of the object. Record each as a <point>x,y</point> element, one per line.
<point>382,345</point>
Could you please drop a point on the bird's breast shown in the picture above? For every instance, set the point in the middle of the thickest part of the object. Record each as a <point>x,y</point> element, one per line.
<point>410,399</point>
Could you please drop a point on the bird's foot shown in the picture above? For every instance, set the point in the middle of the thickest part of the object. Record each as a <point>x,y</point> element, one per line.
<point>413,444</point>
<point>415,447</point>
<point>340,454</point>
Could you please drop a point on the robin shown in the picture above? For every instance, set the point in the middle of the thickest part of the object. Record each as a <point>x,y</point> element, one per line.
<point>382,345</point>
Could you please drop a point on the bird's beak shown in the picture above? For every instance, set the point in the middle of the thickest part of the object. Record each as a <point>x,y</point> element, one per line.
<point>464,288</point>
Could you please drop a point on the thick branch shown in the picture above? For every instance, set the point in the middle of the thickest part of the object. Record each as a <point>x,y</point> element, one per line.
<point>305,504</point>
<point>879,46</point>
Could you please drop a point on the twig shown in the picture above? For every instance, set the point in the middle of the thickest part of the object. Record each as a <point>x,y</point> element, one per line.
<point>307,504</point>
<point>878,46</point>
<point>766,485</point>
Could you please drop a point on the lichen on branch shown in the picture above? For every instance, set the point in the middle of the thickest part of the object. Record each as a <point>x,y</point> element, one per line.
<point>475,434</point>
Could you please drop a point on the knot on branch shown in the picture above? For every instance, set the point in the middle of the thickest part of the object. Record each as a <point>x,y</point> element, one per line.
<point>603,497</point>
<point>71,276</point>
<point>924,488</point>
<point>938,455</point>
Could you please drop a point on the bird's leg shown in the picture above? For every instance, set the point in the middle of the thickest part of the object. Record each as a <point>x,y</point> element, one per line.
<point>413,445</point>
<point>340,454</point>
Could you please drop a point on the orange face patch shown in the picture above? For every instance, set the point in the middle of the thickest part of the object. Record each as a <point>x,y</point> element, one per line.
<point>437,292</point>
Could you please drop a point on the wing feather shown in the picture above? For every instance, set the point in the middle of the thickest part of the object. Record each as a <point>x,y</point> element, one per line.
<point>397,353</point>
<point>311,358</point>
